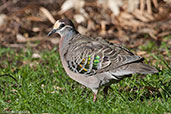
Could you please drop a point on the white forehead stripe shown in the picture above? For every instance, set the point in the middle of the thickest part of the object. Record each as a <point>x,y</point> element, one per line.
<point>57,24</point>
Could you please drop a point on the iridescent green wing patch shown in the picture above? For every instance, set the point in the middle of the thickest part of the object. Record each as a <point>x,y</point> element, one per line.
<point>96,62</point>
<point>85,67</point>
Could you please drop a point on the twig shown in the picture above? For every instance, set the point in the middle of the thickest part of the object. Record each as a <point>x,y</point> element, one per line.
<point>9,76</point>
<point>149,10</point>
<point>47,14</point>
<point>142,6</point>
<point>155,3</point>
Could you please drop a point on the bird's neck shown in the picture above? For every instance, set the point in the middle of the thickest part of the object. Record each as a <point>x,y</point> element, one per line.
<point>65,40</point>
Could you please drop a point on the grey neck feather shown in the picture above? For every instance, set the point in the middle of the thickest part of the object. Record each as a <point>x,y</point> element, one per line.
<point>66,37</point>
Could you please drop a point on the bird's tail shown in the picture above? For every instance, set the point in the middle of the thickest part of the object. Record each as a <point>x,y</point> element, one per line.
<point>142,68</point>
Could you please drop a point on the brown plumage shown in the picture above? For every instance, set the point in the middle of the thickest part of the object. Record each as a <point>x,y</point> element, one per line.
<point>95,62</point>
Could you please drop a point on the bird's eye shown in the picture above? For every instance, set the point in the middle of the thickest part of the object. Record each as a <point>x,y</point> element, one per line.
<point>62,25</point>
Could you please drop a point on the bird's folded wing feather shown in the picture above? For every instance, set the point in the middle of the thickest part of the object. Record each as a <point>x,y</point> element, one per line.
<point>90,56</point>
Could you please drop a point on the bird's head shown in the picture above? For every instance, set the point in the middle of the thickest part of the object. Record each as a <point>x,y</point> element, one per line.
<point>63,27</point>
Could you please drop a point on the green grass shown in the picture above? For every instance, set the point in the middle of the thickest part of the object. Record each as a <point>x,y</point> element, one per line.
<point>43,87</point>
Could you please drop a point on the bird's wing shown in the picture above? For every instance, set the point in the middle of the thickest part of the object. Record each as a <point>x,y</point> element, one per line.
<point>90,56</point>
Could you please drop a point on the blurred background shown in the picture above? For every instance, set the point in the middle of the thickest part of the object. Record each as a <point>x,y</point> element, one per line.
<point>121,21</point>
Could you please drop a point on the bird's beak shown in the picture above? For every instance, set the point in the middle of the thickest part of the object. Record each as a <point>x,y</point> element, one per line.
<point>51,32</point>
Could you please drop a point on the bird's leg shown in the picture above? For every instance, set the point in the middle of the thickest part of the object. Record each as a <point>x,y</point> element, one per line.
<point>105,90</point>
<point>95,91</point>
<point>94,98</point>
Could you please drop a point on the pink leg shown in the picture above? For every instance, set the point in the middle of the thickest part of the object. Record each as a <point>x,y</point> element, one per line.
<point>94,98</point>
